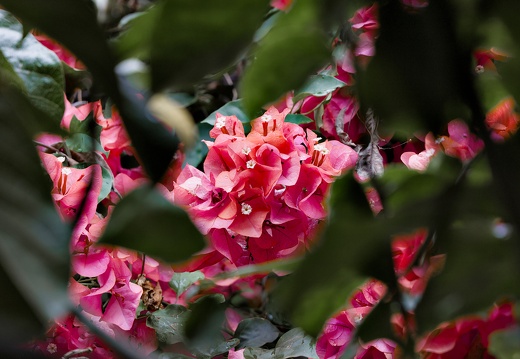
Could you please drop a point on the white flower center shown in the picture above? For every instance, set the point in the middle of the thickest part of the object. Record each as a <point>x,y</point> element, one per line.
<point>250,164</point>
<point>52,348</point>
<point>439,140</point>
<point>321,148</point>
<point>66,171</point>
<point>246,209</point>
<point>246,150</point>
<point>479,69</point>
<point>266,117</point>
<point>221,122</point>
<point>61,159</point>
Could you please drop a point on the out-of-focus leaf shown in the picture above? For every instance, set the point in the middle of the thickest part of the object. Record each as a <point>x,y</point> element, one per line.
<point>267,25</point>
<point>34,242</point>
<point>74,24</point>
<point>255,332</point>
<point>168,323</point>
<point>376,324</point>
<point>183,98</point>
<point>81,142</point>
<point>38,67</point>
<point>318,85</point>
<point>181,281</point>
<point>189,39</point>
<point>264,268</point>
<point>505,344</point>
<point>294,343</point>
<point>293,49</point>
<point>203,329</point>
<point>344,261</point>
<point>145,221</point>
<point>232,108</point>
<point>298,119</point>
<point>419,59</point>
<point>197,153</point>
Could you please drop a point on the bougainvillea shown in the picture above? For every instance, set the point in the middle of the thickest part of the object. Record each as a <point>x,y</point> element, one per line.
<point>332,185</point>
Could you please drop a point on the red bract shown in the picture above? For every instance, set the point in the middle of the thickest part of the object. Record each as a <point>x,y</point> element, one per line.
<point>466,337</point>
<point>281,4</point>
<point>502,119</point>
<point>461,143</point>
<point>420,161</point>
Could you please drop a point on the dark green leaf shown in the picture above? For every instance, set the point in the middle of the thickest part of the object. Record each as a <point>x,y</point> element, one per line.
<point>168,323</point>
<point>189,39</point>
<point>197,153</point>
<point>145,221</point>
<point>298,119</point>
<point>80,142</point>
<point>38,67</point>
<point>318,85</point>
<point>376,324</point>
<point>255,332</point>
<point>182,281</point>
<point>34,242</point>
<point>505,344</point>
<point>108,180</point>
<point>232,108</point>
<point>292,344</point>
<point>293,49</point>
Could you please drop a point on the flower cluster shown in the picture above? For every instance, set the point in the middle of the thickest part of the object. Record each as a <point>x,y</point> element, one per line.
<point>261,196</point>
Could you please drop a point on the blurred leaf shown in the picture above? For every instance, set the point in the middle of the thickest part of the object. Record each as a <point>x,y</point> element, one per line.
<point>183,98</point>
<point>469,267</point>
<point>181,281</point>
<point>255,332</point>
<point>74,24</point>
<point>83,143</point>
<point>232,108</point>
<point>318,85</point>
<point>266,26</point>
<point>197,153</point>
<point>264,268</point>
<point>505,344</point>
<point>343,258</point>
<point>298,119</point>
<point>38,67</point>
<point>168,323</point>
<point>293,49</point>
<point>145,221</point>
<point>187,39</point>
<point>203,329</point>
<point>419,59</point>
<point>376,324</point>
<point>34,242</point>
<point>292,344</point>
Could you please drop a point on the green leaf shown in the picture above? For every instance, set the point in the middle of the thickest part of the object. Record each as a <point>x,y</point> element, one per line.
<point>80,142</point>
<point>38,67</point>
<point>197,153</point>
<point>232,108</point>
<point>298,119</point>
<point>376,324</point>
<point>186,39</point>
<point>182,281</point>
<point>168,323</point>
<point>292,344</point>
<point>255,332</point>
<point>293,49</point>
<point>34,242</point>
<point>505,344</point>
<point>108,180</point>
<point>318,85</point>
<point>145,221</point>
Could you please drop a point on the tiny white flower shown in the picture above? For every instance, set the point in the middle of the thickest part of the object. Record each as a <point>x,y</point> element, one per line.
<point>61,159</point>
<point>317,139</point>
<point>66,171</point>
<point>320,147</point>
<point>52,348</point>
<point>250,164</point>
<point>246,209</point>
<point>246,150</point>
<point>266,117</point>
<point>479,69</point>
<point>279,191</point>
<point>221,122</point>
<point>430,152</point>
<point>439,140</point>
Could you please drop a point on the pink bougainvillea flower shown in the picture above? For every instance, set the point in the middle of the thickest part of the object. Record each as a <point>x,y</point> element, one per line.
<point>281,4</point>
<point>365,19</point>
<point>466,336</point>
<point>376,349</point>
<point>461,143</point>
<point>227,125</point>
<point>342,109</point>
<point>420,161</point>
<point>113,134</point>
<point>63,54</point>
<point>80,112</point>
<point>486,59</point>
<point>415,4</point>
<point>337,334</point>
<point>503,120</point>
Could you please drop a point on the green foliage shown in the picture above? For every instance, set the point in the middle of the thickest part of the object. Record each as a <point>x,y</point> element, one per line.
<point>157,228</point>
<point>293,49</point>
<point>34,243</point>
<point>182,281</point>
<point>255,332</point>
<point>318,85</point>
<point>169,323</point>
<point>505,344</point>
<point>206,37</point>
<point>37,71</point>
<point>294,343</point>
